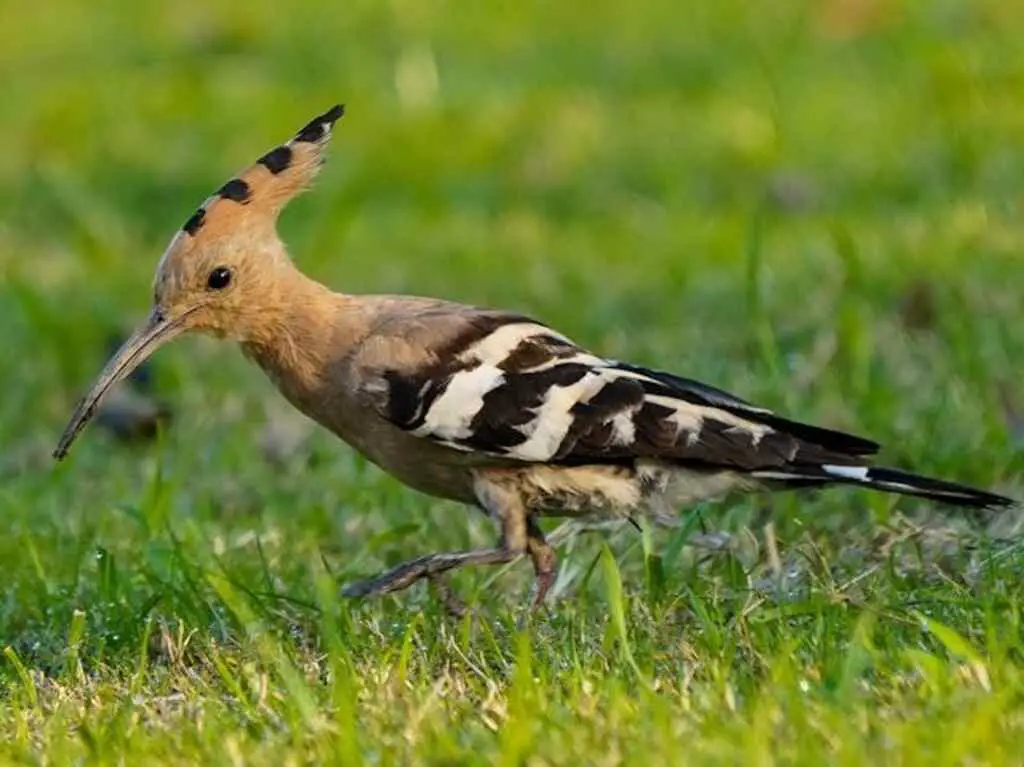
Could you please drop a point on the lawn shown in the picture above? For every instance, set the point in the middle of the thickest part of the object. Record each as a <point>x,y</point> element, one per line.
<point>816,205</point>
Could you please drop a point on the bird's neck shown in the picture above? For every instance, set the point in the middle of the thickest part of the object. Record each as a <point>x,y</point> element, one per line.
<point>301,328</point>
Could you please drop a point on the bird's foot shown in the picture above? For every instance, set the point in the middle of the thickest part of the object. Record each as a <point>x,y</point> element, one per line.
<point>371,587</point>
<point>431,567</point>
<point>544,559</point>
<point>453,605</point>
<point>541,587</point>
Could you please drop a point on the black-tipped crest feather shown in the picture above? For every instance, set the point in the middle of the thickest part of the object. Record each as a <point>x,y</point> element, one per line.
<point>319,126</point>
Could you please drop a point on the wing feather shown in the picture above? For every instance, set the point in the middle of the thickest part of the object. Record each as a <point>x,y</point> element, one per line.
<point>514,389</point>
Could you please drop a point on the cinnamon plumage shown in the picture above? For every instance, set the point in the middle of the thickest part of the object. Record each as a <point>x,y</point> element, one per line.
<point>490,408</point>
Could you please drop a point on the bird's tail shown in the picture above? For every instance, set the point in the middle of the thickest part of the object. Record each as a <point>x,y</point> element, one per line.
<point>886,480</point>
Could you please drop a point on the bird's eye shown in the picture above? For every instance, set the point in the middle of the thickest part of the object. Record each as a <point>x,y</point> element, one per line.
<point>219,278</point>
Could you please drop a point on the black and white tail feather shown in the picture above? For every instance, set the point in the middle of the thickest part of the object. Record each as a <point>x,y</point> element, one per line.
<point>886,480</point>
<point>511,389</point>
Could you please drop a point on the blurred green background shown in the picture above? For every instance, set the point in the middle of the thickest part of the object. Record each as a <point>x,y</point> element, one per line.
<point>813,204</point>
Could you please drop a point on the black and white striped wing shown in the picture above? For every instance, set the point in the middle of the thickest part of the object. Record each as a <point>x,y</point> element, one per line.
<point>514,389</point>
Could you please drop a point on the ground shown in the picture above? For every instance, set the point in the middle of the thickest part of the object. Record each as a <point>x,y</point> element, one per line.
<point>813,204</point>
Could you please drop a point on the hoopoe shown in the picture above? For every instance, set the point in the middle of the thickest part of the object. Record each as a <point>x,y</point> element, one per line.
<point>486,407</point>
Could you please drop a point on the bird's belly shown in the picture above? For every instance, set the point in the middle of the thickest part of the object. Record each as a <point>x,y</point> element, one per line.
<point>432,469</point>
<point>596,491</point>
<point>429,468</point>
<point>425,466</point>
<point>602,492</point>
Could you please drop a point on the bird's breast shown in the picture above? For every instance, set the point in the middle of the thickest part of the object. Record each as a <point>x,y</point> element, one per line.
<point>328,400</point>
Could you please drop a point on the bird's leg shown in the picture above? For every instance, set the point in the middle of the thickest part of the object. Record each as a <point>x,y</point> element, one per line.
<point>542,554</point>
<point>430,566</point>
<point>511,515</point>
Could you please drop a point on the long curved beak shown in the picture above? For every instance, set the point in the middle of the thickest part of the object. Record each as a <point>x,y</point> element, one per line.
<point>154,333</point>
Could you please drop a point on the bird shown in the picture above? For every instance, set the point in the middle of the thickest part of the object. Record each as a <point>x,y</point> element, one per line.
<point>487,407</point>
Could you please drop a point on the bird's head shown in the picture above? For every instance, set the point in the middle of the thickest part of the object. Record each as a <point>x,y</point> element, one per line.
<point>219,270</point>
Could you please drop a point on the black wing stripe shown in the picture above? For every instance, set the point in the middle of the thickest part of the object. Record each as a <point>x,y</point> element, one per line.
<point>520,393</point>
<point>507,411</point>
<point>410,395</point>
<point>701,394</point>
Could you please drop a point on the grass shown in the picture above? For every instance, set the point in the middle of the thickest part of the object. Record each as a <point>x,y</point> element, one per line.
<point>814,204</point>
